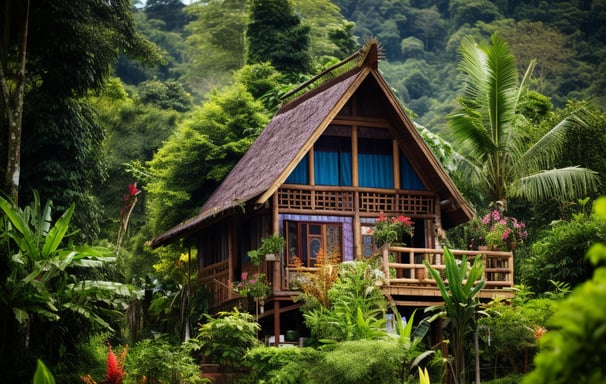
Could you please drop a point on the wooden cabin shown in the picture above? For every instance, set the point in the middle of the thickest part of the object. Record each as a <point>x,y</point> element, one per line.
<point>327,164</point>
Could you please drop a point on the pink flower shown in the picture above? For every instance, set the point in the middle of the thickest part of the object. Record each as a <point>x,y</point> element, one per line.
<point>506,234</point>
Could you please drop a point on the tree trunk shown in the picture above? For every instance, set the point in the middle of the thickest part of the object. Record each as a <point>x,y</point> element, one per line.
<point>13,103</point>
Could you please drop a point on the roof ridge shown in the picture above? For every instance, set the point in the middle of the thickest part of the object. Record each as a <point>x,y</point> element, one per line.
<point>368,55</point>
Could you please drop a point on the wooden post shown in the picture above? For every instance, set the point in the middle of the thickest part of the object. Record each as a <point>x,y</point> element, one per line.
<point>397,184</point>
<point>354,156</point>
<point>276,322</point>
<point>386,262</point>
<point>277,278</point>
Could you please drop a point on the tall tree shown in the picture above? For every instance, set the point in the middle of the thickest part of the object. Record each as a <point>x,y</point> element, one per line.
<point>171,12</point>
<point>489,132</point>
<point>70,50</point>
<point>214,43</point>
<point>219,132</point>
<point>275,34</point>
<point>330,33</point>
<point>15,16</point>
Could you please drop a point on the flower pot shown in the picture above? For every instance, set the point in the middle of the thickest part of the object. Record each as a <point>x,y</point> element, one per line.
<point>270,257</point>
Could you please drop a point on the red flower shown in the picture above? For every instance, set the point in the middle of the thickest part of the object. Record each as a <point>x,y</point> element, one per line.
<point>132,189</point>
<point>115,368</point>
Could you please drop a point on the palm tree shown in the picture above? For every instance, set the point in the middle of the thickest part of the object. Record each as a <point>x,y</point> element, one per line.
<point>489,132</point>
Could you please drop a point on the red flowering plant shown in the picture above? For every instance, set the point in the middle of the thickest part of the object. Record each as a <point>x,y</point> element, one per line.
<point>503,232</point>
<point>115,368</point>
<point>390,230</point>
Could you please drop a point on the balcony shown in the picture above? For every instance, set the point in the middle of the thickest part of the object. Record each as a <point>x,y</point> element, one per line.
<point>407,281</point>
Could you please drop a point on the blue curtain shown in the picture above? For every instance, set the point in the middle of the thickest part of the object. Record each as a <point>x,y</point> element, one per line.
<point>375,170</point>
<point>332,168</point>
<point>299,174</point>
<point>408,178</point>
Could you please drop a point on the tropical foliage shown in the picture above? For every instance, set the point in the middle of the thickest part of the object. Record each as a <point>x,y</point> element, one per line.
<point>573,347</point>
<point>459,288</point>
<point>48,283</point>
<point>489,132</point>
<point>352,308</point>
<point>559,254</point>
<point>224,339</point>
<point>160,361</point>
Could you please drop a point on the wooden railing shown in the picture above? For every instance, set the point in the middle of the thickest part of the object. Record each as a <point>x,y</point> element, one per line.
<point>402,265</point>
<point>367,201</point>
<point>215,278</point>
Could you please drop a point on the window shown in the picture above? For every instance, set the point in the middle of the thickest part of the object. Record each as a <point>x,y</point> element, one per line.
<point>299,174</point>
<point>408,177</point>
<point>307,240</point>
<point>375,163</point>
<point>332,161</point>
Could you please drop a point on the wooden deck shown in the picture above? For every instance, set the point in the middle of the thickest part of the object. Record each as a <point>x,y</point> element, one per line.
<point>406,279</point>
<point>408,282</point>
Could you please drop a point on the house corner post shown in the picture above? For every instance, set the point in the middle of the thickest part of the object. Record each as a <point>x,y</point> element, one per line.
<point>386,262</point>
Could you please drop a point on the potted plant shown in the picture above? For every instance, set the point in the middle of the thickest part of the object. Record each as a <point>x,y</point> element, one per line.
<point>390,230</point>
<point>270,247</point>
<point>504,232</point>
<point>254,286</point>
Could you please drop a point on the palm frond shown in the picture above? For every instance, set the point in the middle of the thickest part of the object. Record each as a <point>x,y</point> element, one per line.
<point>544,153</point>
<point>470,170</point>
<point>561,184</point>
<point>501,88</point>
<point>471,68</point>
<point>522,88</point>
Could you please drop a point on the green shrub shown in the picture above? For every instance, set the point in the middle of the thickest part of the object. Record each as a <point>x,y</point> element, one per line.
<point>226,339</point>
<point>507,337</point>
<point>161,361</point>
<point>362,361</point>
<point>559,254</point>
<point>356,307</point>
<point>280,365</point>
<point>574,348</point>
<point>514,378</point>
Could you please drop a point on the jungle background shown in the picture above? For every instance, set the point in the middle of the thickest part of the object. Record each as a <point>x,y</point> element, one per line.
<point>118,93</point>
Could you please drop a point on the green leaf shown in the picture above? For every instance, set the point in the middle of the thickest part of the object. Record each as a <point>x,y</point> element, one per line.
<point>20,315</point>
<point>43,375</point>
<point>57,232</point>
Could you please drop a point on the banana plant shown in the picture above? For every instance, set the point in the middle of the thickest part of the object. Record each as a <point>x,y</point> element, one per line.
<point>43,280</point>
<point>410,338</point>
<point>461,306</point>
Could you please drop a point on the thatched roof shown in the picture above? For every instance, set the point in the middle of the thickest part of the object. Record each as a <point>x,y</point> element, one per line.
<point>289,136</point>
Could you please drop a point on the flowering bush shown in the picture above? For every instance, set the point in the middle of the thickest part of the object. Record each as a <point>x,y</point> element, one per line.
<point>475,233</point>
<point>254,286</point>
<point>391,229</point>
<point>115,368</point>
<point>503,232</point>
